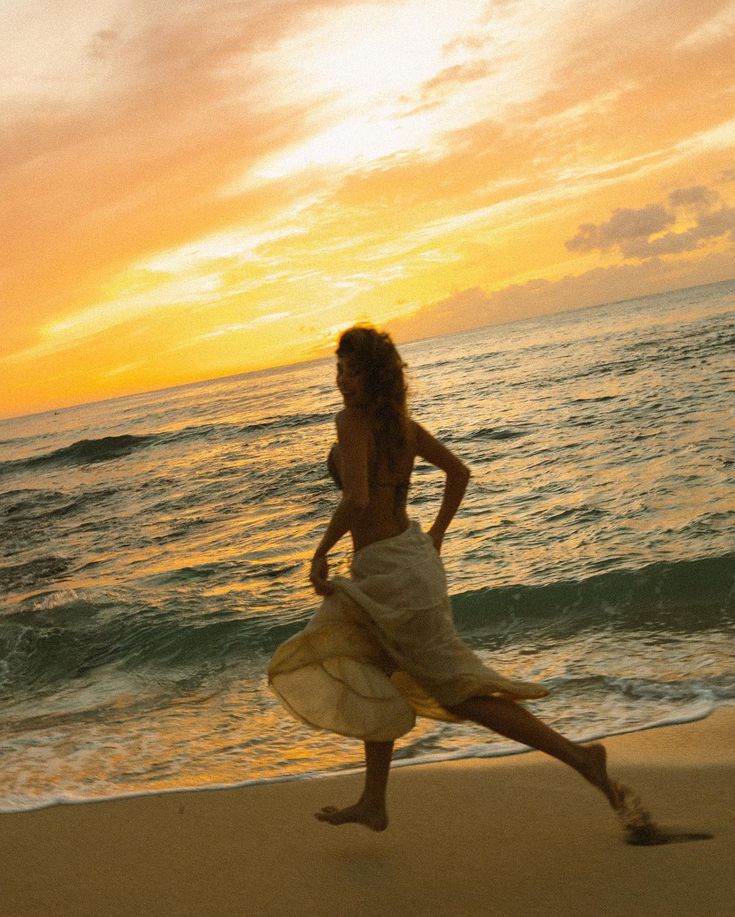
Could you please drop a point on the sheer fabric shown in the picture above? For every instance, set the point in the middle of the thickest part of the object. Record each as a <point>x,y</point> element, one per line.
<point>384,648</point>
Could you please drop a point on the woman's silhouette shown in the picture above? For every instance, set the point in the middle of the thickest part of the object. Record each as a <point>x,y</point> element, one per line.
<point>382,646</point>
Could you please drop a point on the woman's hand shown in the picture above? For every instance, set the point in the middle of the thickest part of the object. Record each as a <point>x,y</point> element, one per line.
<point>318,575</point>
<point>436,539</point>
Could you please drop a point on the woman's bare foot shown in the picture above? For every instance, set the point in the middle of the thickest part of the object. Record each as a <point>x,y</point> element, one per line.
<point>594,769</point>
<point>361,813</point>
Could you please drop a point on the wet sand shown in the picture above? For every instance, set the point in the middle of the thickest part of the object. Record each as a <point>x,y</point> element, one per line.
<point>511,836</point>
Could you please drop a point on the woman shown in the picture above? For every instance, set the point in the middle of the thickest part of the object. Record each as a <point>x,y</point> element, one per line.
<point>382,646</point>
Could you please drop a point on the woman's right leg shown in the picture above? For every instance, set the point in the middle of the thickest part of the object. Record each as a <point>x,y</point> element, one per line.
<point>515,722</point>
<point>370,809</point>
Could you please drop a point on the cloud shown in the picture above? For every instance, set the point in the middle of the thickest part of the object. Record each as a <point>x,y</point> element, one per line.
<point>174,111</point>
<point>718,28</point>
<point>710,226</point>
<point>623,225</point>
<point>239,327</point>
<point>451,78</point>
<point>636,233</point>
<point>180,293</point>
<point>694,196</point>
<point>139,134</point>
<point>447,86</point>
<point>475,308</point>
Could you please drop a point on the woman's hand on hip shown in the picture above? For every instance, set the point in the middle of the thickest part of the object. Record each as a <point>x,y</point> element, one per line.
<point>436,539</point>
<point>318,575</point>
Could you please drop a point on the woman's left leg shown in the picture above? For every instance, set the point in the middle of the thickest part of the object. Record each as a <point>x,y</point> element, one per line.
<point>370,809</point>
<point>515,722</point>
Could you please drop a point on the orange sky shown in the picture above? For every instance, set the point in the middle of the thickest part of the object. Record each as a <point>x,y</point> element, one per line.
<point>194,189</point>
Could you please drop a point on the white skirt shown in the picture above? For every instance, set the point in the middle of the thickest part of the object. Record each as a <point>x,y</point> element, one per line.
<point>383,648</point>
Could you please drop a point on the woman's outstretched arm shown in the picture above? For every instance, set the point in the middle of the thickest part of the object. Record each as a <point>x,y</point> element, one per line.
<point>457,476</point>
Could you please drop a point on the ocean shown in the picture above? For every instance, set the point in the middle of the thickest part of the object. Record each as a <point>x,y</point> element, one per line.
<point>154,548</point>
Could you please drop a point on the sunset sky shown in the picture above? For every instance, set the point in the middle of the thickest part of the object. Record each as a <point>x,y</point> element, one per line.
<point>195,189</point>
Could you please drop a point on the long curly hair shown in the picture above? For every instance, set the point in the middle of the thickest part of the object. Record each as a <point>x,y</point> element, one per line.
<point>373,354</point>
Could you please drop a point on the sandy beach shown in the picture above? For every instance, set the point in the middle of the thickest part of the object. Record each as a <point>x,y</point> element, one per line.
<point>511,836</point>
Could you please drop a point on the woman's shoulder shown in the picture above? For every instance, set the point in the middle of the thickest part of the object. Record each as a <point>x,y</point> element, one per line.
<point>351,417</point>
<point>352,423</point>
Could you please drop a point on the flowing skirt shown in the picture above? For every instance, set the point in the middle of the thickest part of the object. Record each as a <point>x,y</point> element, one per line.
<point>384,648</point>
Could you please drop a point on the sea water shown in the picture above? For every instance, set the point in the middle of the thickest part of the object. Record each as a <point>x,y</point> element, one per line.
<point>153,549</point>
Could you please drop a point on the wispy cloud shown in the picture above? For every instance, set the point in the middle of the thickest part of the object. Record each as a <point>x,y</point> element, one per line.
<point>239,327</point>
<point>717,29</point>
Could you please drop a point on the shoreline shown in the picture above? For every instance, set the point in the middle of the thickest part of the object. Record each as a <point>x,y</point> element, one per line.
<point>506,835</point>
<point>512,751</point>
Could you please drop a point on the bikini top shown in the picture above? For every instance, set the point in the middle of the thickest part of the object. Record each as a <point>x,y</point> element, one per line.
<point>400,487</point>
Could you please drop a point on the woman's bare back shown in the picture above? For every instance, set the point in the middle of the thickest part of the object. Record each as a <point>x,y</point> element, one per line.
<point>388,484</point>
